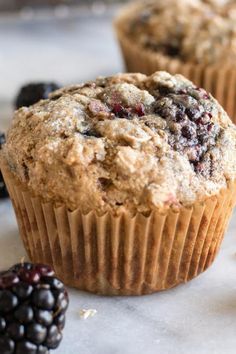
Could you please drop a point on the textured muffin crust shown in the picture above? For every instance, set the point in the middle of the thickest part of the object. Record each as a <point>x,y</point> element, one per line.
<point>128,140</point>
<point>200,31</point>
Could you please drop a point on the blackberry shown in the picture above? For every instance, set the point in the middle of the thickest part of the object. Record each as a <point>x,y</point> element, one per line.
<point>188,132</point>
<point>91,133</point>
<point>34,92</point>
<point>128,112</point>
<point>2,139</point>
<point>140,110</point>
<point>33,304</point>
<point>191,128</point>
<point>3,188</point>
<point>172,50</point>
<point>121,111</point>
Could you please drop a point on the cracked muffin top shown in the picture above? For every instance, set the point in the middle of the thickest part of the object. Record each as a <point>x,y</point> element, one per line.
<point>142,142</point>
<point>199,31</point>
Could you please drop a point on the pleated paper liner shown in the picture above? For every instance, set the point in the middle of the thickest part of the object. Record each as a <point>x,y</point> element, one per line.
<point>220,81</point>
<point>123,254</point>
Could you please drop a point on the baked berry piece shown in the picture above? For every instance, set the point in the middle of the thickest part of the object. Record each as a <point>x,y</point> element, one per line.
<point>192,131</point>
<point>33,303</point>
<point>3,189</point>
<point>34,92</point>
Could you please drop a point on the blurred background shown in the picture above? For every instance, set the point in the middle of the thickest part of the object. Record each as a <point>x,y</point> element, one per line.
<point>7,5</point>
<point>66,41</point>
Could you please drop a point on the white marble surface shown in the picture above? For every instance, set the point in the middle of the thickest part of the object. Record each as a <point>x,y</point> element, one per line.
<point>196,318</point>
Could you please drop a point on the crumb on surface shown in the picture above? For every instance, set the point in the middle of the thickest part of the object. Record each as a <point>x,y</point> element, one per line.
<point>84,314</point>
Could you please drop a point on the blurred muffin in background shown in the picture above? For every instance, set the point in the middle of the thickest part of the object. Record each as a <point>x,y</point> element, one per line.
<point>196,38</point>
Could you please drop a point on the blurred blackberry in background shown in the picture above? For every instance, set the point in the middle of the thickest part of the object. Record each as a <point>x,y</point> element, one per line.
<point>3,188</point>
<point>2,139</point>
<point>33,304</point>
<point>34,92</point>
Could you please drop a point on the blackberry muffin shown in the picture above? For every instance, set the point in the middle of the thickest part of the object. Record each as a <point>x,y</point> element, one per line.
<point>125,184</point>
<point>196,38</point>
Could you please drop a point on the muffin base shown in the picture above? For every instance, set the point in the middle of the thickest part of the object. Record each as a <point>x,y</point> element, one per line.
<point>219,80</point>
<point>121,254</point>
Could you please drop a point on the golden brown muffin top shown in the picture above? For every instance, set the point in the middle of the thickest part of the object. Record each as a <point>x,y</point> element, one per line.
<point>142,142</point>
<point>200,31</point>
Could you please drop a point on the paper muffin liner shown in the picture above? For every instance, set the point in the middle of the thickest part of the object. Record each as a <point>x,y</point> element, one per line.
<point>121,254</point>
<point>219,80</point>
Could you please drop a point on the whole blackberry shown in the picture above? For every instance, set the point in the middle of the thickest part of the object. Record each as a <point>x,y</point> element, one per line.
<point>34,92</point>
<point>33,303</point>
<point>3,188</point>
<point>2,139</point>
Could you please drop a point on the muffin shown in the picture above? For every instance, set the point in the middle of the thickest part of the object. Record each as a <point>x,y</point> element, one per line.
<point>196,38</point>
<point>125,184</point>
